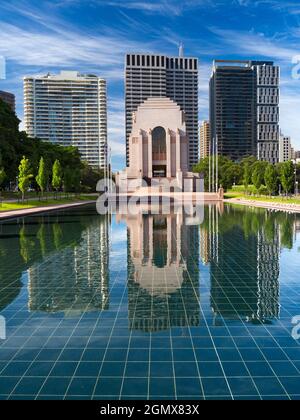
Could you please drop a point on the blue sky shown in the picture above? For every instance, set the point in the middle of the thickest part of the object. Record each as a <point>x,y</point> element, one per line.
<point>93,36</point>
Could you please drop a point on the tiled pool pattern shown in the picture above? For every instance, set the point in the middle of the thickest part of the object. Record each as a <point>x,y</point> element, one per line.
<point>92,313</point>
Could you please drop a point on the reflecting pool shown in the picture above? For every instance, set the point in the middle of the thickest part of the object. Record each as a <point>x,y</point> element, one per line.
<point>150,306</point>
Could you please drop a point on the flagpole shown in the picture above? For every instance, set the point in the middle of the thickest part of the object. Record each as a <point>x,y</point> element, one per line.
<point>217,166</point>
<point>209,169</point>
<point>213,167</point>
<point>110,165</point>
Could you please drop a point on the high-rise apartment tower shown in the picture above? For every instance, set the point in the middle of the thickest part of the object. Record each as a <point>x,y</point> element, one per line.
<point>69,109</point>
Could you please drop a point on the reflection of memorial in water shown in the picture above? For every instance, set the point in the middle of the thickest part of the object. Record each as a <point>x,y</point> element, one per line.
<point>163,276</point>
<point>74,279</point>
<point>245,269</point>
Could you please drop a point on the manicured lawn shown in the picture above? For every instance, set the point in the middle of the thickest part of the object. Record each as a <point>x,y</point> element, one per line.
<point>33,195</point>
<point>43,203</point>
<point>14,206</point>
<point>237,193</point>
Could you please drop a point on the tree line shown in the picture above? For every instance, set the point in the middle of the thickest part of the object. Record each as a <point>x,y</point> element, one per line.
<point>258,177</point>
<point>70,179</point>
<point>31,162</point>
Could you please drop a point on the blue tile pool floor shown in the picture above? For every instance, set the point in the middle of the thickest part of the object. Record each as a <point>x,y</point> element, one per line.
<point>150,307</point>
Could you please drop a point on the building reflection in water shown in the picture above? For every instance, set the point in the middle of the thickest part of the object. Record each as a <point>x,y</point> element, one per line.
<point>244,251</point>
<point>74,279</point>
<point>163,274</point>
<point>67,257</point>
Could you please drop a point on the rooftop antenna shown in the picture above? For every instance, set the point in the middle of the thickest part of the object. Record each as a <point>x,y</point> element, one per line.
<point>181,52</point>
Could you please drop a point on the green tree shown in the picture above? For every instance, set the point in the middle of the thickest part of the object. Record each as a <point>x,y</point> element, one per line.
<point>9,140</point>
<point>25,176</point>
<point>56,175</point>
<point>247,176</point>
<point>2,176</point>
<point>271,179</point>
<point>15,144</point>
<point>77,181</point>
<point>42,176</point>
<point>287,173</point>
<point>250,160</point>
<point>227,171</point>
<point>72,180</point>
<point>68,180</point>
<point>203,168</point>
<point>230,174</point>
<point>90,177</point>
<point>2,179</point>
<point>258,174</point>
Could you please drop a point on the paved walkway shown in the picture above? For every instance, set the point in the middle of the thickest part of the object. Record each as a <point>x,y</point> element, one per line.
<point>289,207</point>
<point>13,214</point>
<point>178,196</point>
<point>60,196</point>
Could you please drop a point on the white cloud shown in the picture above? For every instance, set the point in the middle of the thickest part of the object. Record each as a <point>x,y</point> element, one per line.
<point>163,7</point>
<point>257,44</point>
<point>289,121</point>
<point>44,42</point>
<point>62,48</point>
<point>47,44</point>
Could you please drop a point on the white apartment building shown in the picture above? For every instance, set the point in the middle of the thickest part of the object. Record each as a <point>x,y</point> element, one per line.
<point>268,96</point>
<point>285,149</point>
<point>69,109</point>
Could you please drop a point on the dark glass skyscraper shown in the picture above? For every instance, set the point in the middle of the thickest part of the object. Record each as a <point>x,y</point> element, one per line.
<point>244,109</point>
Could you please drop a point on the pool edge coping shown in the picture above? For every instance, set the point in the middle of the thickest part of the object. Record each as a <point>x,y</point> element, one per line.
<point>264,204</point>
<point>14,214</point>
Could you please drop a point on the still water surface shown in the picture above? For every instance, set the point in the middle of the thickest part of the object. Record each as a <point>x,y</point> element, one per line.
<point>150,306</point>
